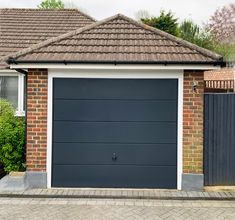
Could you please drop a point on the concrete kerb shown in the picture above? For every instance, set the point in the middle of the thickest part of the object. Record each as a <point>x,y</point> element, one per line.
<point>120,194</point>
<point>31,185</point>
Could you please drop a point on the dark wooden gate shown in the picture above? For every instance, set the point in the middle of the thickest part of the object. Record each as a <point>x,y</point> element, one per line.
<point>219,139</point>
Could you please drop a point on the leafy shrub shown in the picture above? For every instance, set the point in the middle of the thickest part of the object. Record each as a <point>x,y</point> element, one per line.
<point>2,172</point>
<point>12,140</point>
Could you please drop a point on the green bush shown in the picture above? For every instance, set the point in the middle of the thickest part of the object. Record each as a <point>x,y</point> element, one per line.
<point>12,139</point>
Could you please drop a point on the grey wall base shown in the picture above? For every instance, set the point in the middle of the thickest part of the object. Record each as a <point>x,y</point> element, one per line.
<point>192,182</point>
<point>36,179</point>
<point>23,181</point>
<point>39,180</point>
<point>11,183</point>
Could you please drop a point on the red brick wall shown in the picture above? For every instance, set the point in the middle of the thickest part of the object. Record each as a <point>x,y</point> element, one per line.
<point>193,123</point>
<point>222,74</point>
<point>36,120</point>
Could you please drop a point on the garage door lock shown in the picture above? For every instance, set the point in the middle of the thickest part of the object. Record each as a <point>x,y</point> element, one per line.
<point>114,157</point>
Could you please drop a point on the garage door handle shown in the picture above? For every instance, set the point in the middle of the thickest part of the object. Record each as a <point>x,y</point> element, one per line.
<point>114,157</point>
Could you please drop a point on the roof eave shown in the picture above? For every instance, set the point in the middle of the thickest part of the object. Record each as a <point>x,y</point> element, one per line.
<point>65,62</point>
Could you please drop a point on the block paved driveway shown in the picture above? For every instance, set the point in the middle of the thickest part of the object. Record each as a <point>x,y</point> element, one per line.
<point>98,209</point>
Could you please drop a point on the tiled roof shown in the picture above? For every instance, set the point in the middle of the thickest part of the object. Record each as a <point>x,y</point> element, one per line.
<point>117,39</point>
<point>21,28</point>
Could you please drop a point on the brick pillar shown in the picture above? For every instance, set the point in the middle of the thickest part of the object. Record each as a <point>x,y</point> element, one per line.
<point>36,120</point>
<point>193,123</point>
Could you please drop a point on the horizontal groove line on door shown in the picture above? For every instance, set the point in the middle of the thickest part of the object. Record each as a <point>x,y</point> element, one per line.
<point>158,100</point>
<point>81,142</point>
<point>115,121</point>
<point>111,164</point>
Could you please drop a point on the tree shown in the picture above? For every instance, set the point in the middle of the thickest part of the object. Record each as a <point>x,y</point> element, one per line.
<point>217,36</point>
<point>165,22</point>
<point>142,14</point>
<point>51,4</point>
<point>191,32</point>
<point>227,50</point>
<point>222,28</point>
<point>222,24</point>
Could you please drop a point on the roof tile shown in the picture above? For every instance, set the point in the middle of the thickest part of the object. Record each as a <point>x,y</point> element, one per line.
<point>21,28</point>
<point>117,39</point>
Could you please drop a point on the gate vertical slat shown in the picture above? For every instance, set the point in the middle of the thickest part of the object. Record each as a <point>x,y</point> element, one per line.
<point>219,139</point>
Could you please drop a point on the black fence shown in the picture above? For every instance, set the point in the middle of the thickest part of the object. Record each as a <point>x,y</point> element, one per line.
<point>219,139</point>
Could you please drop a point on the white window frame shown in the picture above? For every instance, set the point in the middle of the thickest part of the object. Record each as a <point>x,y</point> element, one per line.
<point>126,72</point>
<point>21,79</point>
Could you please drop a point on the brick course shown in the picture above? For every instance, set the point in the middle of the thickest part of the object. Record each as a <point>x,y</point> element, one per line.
<point>193,122</point>
<point>222,74</point>
<point>36,120</point>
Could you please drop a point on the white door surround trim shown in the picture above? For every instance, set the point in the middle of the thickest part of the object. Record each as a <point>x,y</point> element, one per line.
<point>116,74</point>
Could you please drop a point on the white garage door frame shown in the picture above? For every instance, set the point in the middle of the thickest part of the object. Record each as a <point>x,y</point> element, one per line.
<point>113,72</point>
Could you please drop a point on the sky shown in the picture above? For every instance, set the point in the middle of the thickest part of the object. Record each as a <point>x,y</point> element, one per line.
<point>197,10</point>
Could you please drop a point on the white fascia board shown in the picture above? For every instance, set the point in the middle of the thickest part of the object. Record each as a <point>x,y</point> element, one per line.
<point>114,73</point>
<point>112,66</point>
<point>7,72</point>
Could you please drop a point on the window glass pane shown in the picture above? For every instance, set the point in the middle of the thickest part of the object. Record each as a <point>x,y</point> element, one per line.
<point>9,89</point>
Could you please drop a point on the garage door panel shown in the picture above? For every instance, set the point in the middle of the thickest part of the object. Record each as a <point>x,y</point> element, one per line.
<point>115,89</point>
<point>130,154</point>
<point>115,176</point>
<point>115,110</point>
<point>115,132</point>
<point>134,118</point>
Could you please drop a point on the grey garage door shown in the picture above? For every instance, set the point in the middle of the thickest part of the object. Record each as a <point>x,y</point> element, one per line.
<point>114,133</point>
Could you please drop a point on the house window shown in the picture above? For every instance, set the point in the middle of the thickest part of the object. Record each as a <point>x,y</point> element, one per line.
<point>12,89</point>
